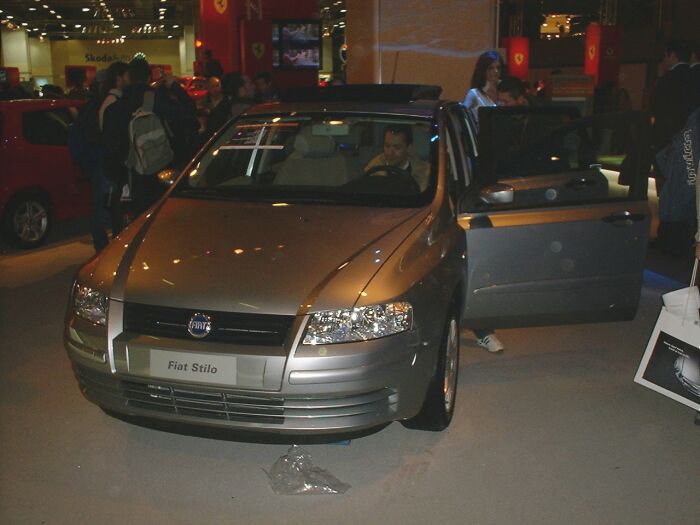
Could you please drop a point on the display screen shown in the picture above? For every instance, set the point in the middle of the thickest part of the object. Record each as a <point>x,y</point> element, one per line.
<point>296,44</point>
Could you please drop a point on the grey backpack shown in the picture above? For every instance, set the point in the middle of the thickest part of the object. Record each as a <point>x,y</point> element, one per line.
<point>149,145</point>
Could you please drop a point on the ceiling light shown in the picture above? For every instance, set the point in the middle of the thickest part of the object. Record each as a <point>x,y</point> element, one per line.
<point>170,36</point>
<point>59,16</point>
<point>78,26</point>
<point>9,17</point>
<point>175,26</point>
<point>32,8</point>
<point>44,6</point>
<point>52,12</point>
<point>63,25</point>
<point>115,26</point>
<point>86,9</point>
<point>24,24</point>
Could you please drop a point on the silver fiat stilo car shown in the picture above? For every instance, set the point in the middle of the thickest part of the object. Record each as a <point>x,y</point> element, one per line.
<point>310,271</point>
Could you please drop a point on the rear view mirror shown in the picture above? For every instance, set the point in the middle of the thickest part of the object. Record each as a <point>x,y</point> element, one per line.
<point>168,176</point>
<point>497,194</point>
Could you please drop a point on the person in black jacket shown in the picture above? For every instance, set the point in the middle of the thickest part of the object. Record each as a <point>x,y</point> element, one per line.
<point>695,73</point>
<point>172,105</point>
<point>671,105</point>
<point>212,67</point>
<point>671,102</point>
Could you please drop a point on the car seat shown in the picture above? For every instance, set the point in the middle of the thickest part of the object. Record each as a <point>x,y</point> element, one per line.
<point>314,162</point>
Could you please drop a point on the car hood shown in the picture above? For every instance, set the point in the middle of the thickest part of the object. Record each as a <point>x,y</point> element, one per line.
<point>258,257</point>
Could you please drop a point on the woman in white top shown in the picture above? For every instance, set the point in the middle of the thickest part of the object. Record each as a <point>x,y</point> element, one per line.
<point>487,74</point>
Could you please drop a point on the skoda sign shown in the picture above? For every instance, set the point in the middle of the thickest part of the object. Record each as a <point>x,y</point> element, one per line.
<point>199,325</point>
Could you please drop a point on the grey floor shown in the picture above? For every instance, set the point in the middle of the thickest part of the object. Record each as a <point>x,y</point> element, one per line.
<point>552,432</point>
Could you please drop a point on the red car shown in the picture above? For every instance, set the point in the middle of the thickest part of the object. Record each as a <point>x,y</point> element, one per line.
<point>39,181</point>
<point>196,87</point>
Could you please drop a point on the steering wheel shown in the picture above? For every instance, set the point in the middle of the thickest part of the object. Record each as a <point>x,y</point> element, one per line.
<point>400,180</point>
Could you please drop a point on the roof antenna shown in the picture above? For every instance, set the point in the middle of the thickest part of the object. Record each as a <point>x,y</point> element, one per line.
<point>396,65</point>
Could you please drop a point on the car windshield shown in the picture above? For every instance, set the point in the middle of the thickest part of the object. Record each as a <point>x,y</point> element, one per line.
<point>328,159</point>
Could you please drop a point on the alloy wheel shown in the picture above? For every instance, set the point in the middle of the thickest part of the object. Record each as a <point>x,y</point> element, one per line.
<point>451,365</point>
<point>30,221</point>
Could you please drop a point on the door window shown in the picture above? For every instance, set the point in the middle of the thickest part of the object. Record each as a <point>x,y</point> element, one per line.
<point>49,128</point>
<point>550,157</point>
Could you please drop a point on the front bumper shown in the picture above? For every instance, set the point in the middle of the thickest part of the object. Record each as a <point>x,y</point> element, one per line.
<point>294,389</point>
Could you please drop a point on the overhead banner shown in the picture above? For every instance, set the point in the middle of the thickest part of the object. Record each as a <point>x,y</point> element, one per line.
<point>517,56</point>
<point>602,60</point>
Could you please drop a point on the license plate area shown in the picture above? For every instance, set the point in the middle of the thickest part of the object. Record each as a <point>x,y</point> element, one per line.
<point>194,367</point>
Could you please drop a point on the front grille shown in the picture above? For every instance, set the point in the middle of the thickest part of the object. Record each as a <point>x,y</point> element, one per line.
<point>227,327</point>
<point>219,404</point>
<point>209,404</point>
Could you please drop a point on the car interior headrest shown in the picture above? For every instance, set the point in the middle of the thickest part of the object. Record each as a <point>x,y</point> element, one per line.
<point>311,146</point>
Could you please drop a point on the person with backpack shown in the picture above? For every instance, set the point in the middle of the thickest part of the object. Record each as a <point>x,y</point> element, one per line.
<point>137,133</point>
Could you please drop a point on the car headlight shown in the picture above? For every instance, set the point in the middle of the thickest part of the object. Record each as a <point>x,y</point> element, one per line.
<point>90,304</point>
<point>358,324</point>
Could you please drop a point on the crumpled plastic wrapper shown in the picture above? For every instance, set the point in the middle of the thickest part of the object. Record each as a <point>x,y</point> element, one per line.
<point>295,474</point>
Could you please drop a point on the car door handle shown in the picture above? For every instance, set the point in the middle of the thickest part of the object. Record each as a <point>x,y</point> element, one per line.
<point>623,218</point>
<point>580,184</point>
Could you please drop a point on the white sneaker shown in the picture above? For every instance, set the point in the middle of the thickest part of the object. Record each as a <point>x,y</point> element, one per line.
<point>491,343</point>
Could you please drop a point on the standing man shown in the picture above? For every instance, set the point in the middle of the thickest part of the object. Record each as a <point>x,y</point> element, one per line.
<point>212,67</point>
<point>265,90</point>
<point>695,73</point>
<point>671,104</point>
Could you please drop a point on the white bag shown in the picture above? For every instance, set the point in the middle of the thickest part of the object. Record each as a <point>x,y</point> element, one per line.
<point>671,362</point>
<point>685,303</point>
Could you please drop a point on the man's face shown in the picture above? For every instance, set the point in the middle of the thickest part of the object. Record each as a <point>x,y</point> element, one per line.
<point>214,86</point>
<point>247,90</point>
<point>396,149</point>
<point>506,99</point>
<point>261,85</point>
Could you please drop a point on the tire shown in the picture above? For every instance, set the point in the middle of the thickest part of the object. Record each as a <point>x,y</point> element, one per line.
<point>439,404</point>
<point>27,221</point>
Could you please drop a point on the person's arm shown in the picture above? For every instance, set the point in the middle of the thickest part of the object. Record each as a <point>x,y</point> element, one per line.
<point>697,208</point>
<point>470,100</point>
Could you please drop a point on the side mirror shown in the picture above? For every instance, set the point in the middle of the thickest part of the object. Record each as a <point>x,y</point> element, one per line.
<point>168,176</point>
<point>497,194</point>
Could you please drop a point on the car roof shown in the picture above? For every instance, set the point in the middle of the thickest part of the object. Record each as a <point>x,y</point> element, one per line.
<point>38,103</point>
<point>417,108</point>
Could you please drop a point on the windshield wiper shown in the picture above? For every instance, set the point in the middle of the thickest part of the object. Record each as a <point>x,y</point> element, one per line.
<point>207,193</point>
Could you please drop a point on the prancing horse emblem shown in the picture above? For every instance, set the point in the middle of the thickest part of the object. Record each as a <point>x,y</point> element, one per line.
<point>258,49</point>
<point>220,6</point>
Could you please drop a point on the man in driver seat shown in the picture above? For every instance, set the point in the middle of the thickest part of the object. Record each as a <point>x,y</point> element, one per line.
<point>398,152</point>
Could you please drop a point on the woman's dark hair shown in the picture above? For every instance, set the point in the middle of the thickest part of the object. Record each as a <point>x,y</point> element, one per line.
<point>115,69</point>
<point>485,60</point>
<point>139,71</point>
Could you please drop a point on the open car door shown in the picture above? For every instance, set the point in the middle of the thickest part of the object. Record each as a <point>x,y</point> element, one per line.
<point>557,223</point>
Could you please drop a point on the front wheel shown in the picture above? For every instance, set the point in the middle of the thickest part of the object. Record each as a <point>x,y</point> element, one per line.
<point>26,222</point>
<point>439,404</point>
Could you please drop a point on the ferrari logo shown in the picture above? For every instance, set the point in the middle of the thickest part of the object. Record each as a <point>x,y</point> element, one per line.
<point>220,6</point>
<point>519,58</point>
<point>591,52</point>
<point>258,50</point>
